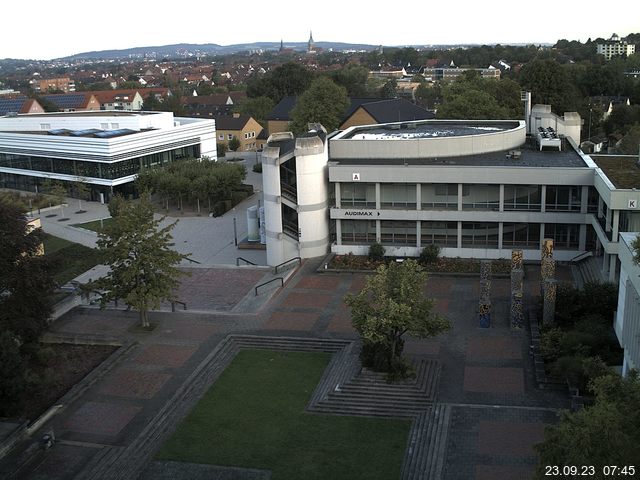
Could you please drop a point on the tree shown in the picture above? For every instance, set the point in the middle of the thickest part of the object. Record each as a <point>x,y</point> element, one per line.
<point>143,268</point>
<point>258,108</point>
<point>286,80</point>
<point>389,89</point>
<point>234,144</point>
<point>25,280</point>
<point>82,190</point>
<point>549,84</point>
<point>391,305</point>
<point>429,96</point>
<point>606,433</point>
<point>353,78</point>
<point>324,102</point>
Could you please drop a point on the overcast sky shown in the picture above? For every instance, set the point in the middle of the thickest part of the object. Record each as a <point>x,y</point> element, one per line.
<point>43,30</point>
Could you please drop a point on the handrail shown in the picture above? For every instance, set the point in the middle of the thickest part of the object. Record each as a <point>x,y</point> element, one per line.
<point>267,283</point>
<point>244,260</point>
<point>288,261</point>
<point>581,256</point>
<point>173,305</point>
<point>192,260</point>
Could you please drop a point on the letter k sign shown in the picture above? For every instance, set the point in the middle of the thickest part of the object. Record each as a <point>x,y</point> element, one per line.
<point>633,204</point>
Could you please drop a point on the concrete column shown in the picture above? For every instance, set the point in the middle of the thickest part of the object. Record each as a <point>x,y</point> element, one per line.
<point>608,221</point>
<point>378,199</point>
<point>613,262</point>
<point>459,197</point>
<point>582,240</point>
<point>543,201</point>
<point>418,196</point>
<point>584,204</point>
<point>615,226</point>
<point>418,229</point>
<point>337,194</point>
<point>600,203</point>
<point>459,234</point>
<point>501,204</point>
<point>378,232</point>
<point>605,263</point>
<point>338,232</point>
<point>541,235</point>
<point>500,231</point>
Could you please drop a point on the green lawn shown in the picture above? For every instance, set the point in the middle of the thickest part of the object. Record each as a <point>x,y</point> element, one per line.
<point>254,417</point>
<point>68,259</point>
<point>95,225</point>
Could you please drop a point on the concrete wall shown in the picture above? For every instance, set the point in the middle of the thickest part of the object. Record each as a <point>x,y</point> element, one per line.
<point>627,319</point>
<point>569,125</point>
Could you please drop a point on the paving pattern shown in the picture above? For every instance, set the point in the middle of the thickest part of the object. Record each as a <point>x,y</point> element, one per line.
<point>482,419</point>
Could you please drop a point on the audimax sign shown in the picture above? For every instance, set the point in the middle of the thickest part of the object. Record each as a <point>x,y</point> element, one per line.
<point>361,213</point>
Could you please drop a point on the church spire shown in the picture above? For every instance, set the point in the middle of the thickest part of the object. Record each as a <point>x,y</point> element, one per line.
<point>310,45</point>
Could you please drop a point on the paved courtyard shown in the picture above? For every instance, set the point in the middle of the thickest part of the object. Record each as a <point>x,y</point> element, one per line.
<point>497,412</point>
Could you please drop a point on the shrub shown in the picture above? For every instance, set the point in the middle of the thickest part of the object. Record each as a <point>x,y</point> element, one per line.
<point>376,252</point>
<point>257,168</point>
<point>221,149</point>
<point>429,254</point>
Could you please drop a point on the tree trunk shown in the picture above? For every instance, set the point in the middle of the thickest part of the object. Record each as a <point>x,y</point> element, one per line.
<point>143,319</point>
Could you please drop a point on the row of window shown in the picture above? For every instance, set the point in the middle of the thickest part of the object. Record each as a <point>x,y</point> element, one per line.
<point>472,234</point>
<point>230,136</point>
<point>108,170</point>
<point>474,197</point>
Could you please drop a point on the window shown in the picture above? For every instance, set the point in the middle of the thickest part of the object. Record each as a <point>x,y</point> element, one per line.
<point>439,196</point>
<point>221,136</point>
<point>521,235</point>
<point>479,235</point>
<point>45,126</point>
<point>565,236</point>
<point>482,197</point>
<point>229,136</point>
<point>522,197</point>
<point>443,234</point>
<point>398,195</point>
<point>398,232</point>
<point>562,198</point>
<point>358,232</point>
<point>358,195</point>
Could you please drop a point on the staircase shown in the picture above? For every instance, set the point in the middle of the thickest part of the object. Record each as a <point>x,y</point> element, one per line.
<point>588,270</point>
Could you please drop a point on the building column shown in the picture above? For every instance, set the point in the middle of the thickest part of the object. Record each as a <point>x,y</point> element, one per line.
<point>418,196</point>
<point>418,236</point>
<point>500,229</point>
<point>543,201</point>
<point>460,197</point>
<point>378,232</point>
<point>613,261</point>
<point>584,204</point>
<point>459,234</point>
<point>378,201</point>
<point>542,235</point>
<point>615,226</point>
<point>501,202</point>
<point>607,223</point>
<point>338,232</point>
<point>605,263</point>
<point>600,203</point>
<point>582,238</point>
<point>337,194</point>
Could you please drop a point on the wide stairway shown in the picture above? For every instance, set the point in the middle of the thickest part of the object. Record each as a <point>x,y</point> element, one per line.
<point>588,270</point>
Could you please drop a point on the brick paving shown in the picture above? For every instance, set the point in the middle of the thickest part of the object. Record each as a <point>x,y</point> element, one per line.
<point>497,412</point>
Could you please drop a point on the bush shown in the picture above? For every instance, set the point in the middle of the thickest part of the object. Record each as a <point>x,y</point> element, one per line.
<point>221,149</point>
<point>429,254</point>
<point>257,168</point>
<point>376,252</point>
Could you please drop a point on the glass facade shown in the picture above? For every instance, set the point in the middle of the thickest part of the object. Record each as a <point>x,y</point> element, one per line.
<point>563,198</point>
<point>398,195</point>
<point>106,170</point>
<point>358,232</point>
<point>479,235</point>
<point>522,197</point>
<point>521,235</point>
<point>361,195</point>
<point>565,236</point>
<point>439,196</point>
<point>398,232</point>
<point>443,234</point>
<point>481,197</point>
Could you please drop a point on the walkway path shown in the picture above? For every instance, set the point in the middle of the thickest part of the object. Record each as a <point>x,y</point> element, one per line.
<point>489,415</point>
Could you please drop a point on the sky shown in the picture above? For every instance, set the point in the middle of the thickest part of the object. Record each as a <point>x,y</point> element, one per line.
<point>43,30</point>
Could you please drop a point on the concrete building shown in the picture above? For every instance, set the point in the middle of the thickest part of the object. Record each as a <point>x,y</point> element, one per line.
<point>106,149</point>
<point>64,84</point>
<point>451,73</point>
<point>615,46</point>
<point>627,316</point>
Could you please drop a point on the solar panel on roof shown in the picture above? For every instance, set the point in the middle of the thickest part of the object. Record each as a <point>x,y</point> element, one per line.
<point>114,133</point>
<point>82,133</point>
<point>71,100</point>
<point>58,131</point>
<point>11,105</point>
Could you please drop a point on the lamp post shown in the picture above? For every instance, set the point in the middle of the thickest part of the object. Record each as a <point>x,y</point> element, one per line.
<point>590,111</point>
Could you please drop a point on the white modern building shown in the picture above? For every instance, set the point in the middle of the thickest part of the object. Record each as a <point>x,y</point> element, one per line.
<point>627,319</point>
<point>615,46</point>
<point>105,149</point>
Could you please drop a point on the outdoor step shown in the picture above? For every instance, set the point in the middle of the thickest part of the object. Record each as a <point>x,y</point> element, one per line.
<point>369,412</point>
<point>414,454</point>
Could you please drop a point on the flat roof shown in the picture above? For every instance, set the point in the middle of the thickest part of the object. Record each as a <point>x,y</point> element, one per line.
<point>530,156</point>
<point>92,113</point>
<point>428,129</point>
<point>622,170</point>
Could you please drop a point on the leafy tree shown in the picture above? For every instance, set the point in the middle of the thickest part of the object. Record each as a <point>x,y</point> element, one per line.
<point>324,102</point>
<point>607,433</point>
<point>13,367</point>
<point>25,280</point>
<point>429,96</point>
<point>549,84</point>
<point>622,118</point>
<point>353,78</point>
<point>286,80</point>
<point>151,103</point>
<point>389,89</point>
<point>221,149</point>
<point>391,305</point>
<point>630,143</point>
<point>143,267</point>
<point>82,190</point>
<point>234,144</point>
<point>258,107</point>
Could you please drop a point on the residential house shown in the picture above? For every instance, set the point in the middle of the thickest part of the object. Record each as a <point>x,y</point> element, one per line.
<point>615,46</point>
<point>119,99</point>
<point>242,127</point>
<point>74,102</point>
<point>368,111</point>
<point>66,85</point>
<point>19,105</point>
